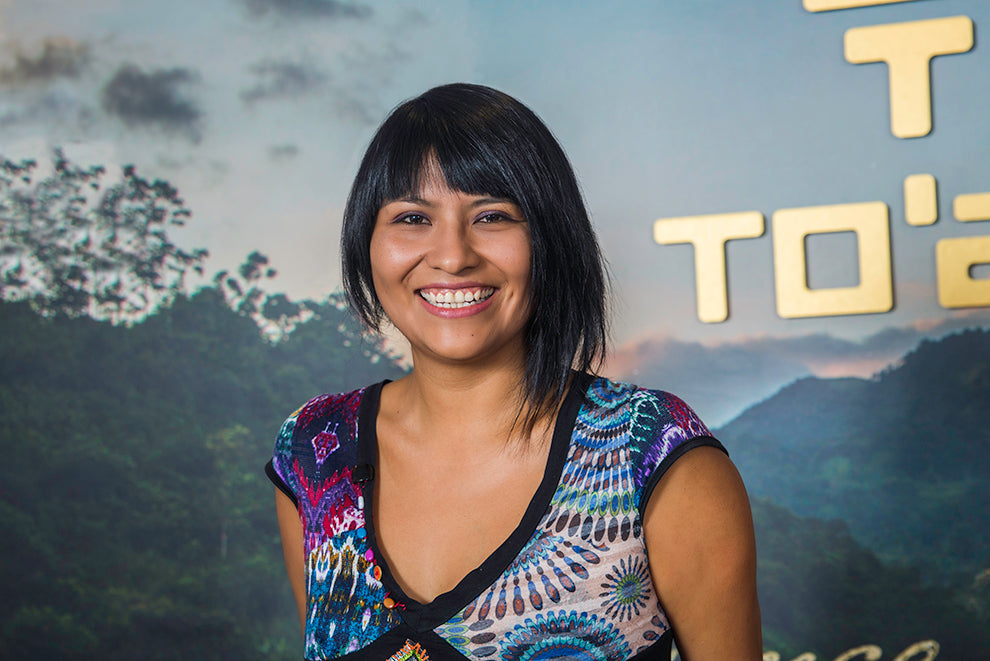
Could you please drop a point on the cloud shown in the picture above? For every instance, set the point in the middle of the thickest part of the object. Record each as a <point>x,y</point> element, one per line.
<point>283,152</point>
<point>305,9</point>
<point>414,17</point>
<point>154,99</point>
<point>724,379</point>
<point>720,382</point>
<point>58,58</point>
<point>363,73</point>
<point>282,79</point>
<point>356,107</point>
<point>828,356</point>
<point>52,108</point>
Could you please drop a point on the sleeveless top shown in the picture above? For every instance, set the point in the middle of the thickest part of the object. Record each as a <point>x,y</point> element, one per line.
<point>571,582</point>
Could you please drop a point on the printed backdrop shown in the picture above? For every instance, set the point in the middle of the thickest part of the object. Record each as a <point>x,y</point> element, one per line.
<point>793,199</point>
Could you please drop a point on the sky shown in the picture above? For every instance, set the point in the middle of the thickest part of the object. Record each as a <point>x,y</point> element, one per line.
<point>259,110</point>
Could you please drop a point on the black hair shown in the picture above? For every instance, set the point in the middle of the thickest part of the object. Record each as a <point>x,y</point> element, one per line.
<point>485,142</point>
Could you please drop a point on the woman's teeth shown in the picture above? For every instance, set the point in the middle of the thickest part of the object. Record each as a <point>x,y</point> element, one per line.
<point>456,298</point>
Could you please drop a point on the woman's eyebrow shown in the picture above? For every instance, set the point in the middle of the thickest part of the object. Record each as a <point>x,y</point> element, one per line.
<point>481,201</point>
<point>412,199</point>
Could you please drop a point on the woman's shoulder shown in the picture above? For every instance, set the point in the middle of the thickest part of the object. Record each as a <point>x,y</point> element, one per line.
<point>327,405</point>
<point>323,424</point>
<point>645,409</point>
<point>317,444</point>
<point>648,429</point>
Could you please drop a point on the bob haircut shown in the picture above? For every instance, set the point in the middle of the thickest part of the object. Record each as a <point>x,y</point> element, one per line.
<point>485,142</point>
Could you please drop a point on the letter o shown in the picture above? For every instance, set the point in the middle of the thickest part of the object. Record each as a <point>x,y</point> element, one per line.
<point>874,293</point>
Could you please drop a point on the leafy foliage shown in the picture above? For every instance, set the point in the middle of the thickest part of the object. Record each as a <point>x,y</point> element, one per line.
<point>137,520</point>
<point>822,592</point>
<point>79,242</point>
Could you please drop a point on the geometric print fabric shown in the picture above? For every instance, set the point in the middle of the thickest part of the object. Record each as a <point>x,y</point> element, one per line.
<point>578,583</point>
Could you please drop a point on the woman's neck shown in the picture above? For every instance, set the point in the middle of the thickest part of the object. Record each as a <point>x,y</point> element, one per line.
<point>461,406</point>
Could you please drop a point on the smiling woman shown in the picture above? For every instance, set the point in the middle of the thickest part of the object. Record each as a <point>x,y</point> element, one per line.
<point>451,272</point>
<point>500,501</point>
<point>482,142</point>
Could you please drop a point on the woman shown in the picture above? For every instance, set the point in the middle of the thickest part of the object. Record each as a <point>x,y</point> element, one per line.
<point>499,502</point>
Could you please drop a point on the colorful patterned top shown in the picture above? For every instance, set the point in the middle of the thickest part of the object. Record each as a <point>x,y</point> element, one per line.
<point>571,582</point>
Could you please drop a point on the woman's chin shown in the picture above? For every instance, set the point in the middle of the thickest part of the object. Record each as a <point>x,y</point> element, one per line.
<point>466,352</point>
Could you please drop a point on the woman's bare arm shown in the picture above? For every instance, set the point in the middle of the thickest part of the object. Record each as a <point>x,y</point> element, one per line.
<point>291,530</point>
<point>699,538</point>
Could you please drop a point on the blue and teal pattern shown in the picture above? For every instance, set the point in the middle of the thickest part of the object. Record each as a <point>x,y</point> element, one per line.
<point>579,587</point>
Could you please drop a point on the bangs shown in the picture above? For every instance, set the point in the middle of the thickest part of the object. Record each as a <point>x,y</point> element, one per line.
<point>427,146</point>
<point>478,141</point>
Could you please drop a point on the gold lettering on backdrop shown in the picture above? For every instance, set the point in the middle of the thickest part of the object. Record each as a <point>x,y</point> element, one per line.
<point>929,648</point>
<point>975,206</point>
<point>829,5</point>
<point>920,200</point>
<point>864,653</point>
<point>708,235</point>
<point>908,48</point>
<point>954,260</point>
<point>874,293</point>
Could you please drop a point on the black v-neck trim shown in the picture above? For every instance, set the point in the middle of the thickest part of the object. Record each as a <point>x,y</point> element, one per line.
<point>420,616</point>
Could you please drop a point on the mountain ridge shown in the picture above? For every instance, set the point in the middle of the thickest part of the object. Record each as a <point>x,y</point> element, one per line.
<point>900,458</point>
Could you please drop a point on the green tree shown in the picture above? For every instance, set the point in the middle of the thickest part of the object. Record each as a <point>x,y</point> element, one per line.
<point>137,518</point>
<point>275,314</point>
<point>82,242</point>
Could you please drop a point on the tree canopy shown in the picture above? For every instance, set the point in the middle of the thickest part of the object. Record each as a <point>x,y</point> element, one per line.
<point>79,241</point>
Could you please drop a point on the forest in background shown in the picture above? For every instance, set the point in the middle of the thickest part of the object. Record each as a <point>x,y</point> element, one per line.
<point>902,458</point>
<point>871,507</point>
<point>138,521</point>
<point>136,418</point>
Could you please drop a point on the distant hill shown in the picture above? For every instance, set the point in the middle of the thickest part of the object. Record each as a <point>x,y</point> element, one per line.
<point>903,459</point>
<point>823,592</point>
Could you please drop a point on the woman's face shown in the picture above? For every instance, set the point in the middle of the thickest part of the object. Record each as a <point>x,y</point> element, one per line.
<point>452,272</point>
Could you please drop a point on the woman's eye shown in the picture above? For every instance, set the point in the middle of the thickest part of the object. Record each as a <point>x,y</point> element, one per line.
<point>412,219</point>
<point>493,217</point>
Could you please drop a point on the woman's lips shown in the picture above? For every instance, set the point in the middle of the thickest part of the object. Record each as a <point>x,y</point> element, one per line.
<point>456,302</point>
<point>456,298</point>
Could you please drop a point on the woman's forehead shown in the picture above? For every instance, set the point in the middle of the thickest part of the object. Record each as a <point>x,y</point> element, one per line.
<point>431,173</point>
<point>431,182</point>
<point>430,196</point>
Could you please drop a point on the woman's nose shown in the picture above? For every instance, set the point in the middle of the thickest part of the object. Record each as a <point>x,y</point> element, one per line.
<point>452,250</point>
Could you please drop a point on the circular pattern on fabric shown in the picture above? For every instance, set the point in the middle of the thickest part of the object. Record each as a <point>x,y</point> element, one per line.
<point>548,567</point>
<point>626,589</point>
<point>564,635</point>
<point>605,424</point>
<point>606,393</point>
<point>660,624</point>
